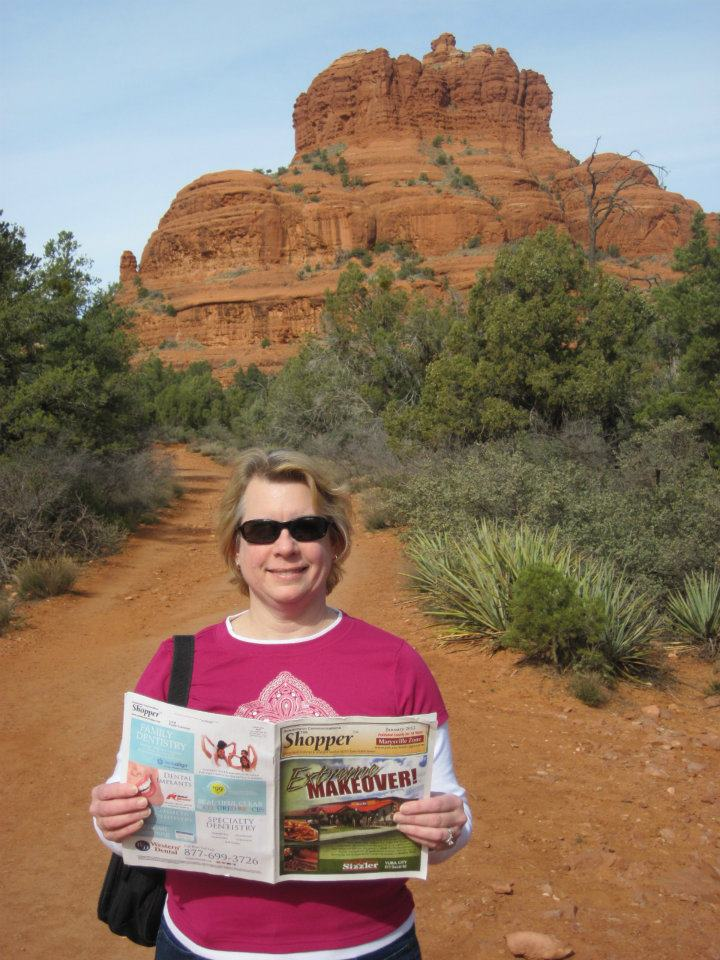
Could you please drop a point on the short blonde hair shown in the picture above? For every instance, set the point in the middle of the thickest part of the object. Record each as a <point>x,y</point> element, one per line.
<point>285,466</point>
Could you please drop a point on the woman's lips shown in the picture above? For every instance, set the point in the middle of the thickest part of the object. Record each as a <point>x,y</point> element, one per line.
<point>287,572</point>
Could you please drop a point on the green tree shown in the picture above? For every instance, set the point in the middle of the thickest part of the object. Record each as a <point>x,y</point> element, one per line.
<point>190,398</point>
<point>549,620</point>
<point>65,353</point>
<point>245,400</point>
<point>316,394</point>
<point>18,322</point>
<point>545,338</point>
<point>688,382</point>
<point>384,336</point>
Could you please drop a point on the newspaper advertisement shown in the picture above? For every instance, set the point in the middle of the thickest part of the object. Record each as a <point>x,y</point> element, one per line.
<point>310,798</point>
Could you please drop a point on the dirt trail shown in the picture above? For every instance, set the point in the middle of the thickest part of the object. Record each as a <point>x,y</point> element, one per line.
<point>606,822</point>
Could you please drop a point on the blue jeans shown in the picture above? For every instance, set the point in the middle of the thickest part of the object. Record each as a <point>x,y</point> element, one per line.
<point>404,948</point>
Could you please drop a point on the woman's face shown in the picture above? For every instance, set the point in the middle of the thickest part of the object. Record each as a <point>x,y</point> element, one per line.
<point>285,576</point>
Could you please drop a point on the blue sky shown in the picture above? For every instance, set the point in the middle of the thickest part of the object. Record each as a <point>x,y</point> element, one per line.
<point>108,108</point>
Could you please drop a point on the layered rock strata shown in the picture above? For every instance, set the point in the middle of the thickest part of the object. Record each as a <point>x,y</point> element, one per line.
<point>452,156</point>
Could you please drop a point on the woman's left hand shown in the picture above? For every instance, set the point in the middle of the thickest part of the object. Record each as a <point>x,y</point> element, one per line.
<point>435,822</point>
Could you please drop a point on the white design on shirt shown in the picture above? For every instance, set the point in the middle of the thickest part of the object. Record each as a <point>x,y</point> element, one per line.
<point>283,698</point>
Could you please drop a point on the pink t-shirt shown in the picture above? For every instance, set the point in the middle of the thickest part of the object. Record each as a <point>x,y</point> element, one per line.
<point>352,669</point>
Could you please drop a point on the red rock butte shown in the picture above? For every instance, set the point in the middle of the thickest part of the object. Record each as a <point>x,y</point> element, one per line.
<point>452,155</point>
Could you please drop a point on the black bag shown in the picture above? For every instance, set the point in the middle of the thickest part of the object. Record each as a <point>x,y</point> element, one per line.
<point>132,898</point>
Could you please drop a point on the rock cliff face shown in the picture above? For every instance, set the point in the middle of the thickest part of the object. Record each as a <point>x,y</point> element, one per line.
<point>481,94</point>
<point>128,266</point>
<point>451,155</point>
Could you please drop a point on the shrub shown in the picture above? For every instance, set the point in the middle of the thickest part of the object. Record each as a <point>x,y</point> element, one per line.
<point>6,611</point>
<point>375,513</point>
<point>129,490</point>
<point>588,690</point>
<point>549,620</point>
<point>608,502</point>
<point>361,254</point>
<point>411,270</point>
<point>404,251</point>
<point>468,581</point>
<point>218,450</point>
<point>320,160</point>
<point>144,294</point>
<point>473,242</point>
<point>58,502</point>
<point>438,141</point>
<point>462,181</point>
<point>695,610</point>
<point>45,577</point>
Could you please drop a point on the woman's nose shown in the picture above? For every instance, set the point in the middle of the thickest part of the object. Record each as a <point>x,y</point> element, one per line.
<point>285,543</point>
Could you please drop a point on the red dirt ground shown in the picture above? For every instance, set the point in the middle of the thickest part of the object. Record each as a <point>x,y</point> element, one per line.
<point>605,821</point>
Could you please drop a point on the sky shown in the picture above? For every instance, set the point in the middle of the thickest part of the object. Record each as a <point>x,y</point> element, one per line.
<point>108,109</point>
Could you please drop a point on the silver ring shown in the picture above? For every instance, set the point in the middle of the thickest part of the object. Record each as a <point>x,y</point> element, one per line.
<point>450,838</point>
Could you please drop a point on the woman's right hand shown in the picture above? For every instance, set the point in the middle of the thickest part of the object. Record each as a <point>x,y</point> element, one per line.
<point>119,809</point>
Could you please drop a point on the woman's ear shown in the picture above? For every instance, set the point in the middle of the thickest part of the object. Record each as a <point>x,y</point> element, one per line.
<point>339,545</point>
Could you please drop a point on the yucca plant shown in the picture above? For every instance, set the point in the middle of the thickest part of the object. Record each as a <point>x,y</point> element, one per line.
<point>631,619</point>
<point>467,599</point>
<point>695,610</point>
<point>467,581</point>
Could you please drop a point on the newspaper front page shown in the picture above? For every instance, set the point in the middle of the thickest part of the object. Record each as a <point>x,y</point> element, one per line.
<point>307,799</point>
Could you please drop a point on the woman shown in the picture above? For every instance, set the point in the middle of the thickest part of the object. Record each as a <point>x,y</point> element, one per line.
<point>285,531</point>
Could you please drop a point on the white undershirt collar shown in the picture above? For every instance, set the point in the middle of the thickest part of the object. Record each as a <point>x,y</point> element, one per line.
<point>313,636</point>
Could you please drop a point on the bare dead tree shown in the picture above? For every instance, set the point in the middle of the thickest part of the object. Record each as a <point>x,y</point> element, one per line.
<point>603,188</point>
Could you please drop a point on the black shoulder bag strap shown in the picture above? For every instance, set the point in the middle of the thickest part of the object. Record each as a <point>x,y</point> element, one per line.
<point>132,898</point>
<point>182,667</point>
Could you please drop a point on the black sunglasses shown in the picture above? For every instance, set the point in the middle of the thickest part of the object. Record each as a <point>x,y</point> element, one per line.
<point>302,529</point>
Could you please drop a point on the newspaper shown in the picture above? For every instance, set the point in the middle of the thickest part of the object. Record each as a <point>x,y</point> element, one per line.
<point>310,798</point>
